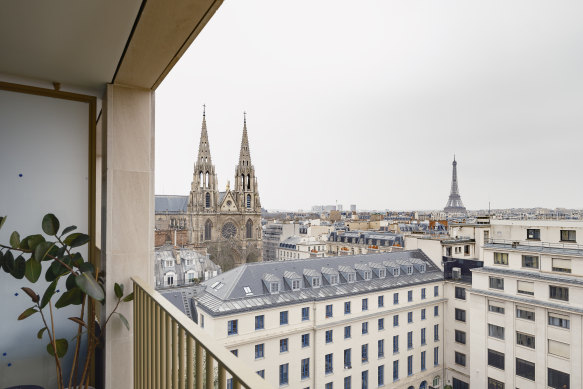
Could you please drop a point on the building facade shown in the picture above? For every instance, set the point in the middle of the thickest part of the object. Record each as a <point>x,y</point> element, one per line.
<point>227,223</point>
<point>362,321</point>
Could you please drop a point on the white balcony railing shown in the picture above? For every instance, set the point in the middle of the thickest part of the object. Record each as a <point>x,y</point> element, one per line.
<point>171,351</point>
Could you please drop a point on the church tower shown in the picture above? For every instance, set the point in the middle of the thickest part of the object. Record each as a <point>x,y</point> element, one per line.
<point>204,195</point>
<point>245,181</point>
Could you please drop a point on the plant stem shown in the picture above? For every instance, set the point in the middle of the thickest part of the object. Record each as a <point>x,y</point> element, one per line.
<point>59,372</point>
<point>78,345</point>
<point>48,255</point>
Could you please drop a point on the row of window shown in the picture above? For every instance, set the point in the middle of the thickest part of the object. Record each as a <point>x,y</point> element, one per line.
<point>233,327</point>
<point>527,287</point>
<point>564,235</point>
<point>533,262</point>
<point>329,369</point>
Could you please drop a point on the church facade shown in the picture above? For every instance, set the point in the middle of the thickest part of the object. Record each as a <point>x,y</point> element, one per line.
<point>227,223</point>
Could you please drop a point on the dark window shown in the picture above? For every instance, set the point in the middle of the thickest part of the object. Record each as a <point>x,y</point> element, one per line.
<point>496,359</point>
<point>305,313</point>
<point>410,339</point>
<point>283,374</point>
<point>364,379</point>
<point>460,336</point>
<point>493,384</point>
<point>467,249</point>
<point>423,294</point>
<point>346,332</point>
<point>501,258</point>
<point>423,338</point>
<point>365,328</point>
<point>259,322</point>
<point>423,366</point>
<point>232,327</point>
<point>259,350</point>
<point>395,320</point>
<point>436,291</point>
<point>381,348</point>
<point>283,317</point>
<point>459,384</point>
<point>435,332</point>
<point>497,283</point>
<point>208,226</point>
<point>495,331</point>
<point>347,358</point>
<point>283,345</point>
<point>460,293</point>
<point>364,353</point>
<point>347,382</point>
<point>559,321</point>
<point>249,229</point>
<point>436,310</point>
<point>409,317</point>
<point>329,336</point>
<point>530,261</point>
<point>525,369</point>
<point>261,373</point>
<point>410,296</point>
<point>568,236</point>
<point>381,323</point>
<point>329,310</point>
<point>347,307</point>
<point>305,368</point>
<point>460,314</point>
<point>328,363</point>
<point>423,314</point>
<point>460,358</point>
<point>410,365</point>
<point>524,314</point>
<point>381,375</point>
<point>207,200</point>
<point>395,298</point>
<point>559,293</point>
<point>495,308</point>
<point>558,379</point>
<point>533,233</point>
<point>525,340</point>
<point>248,201</point>
<point>365,304</point>
<point>381,301</point>
<point>395,370</point>
<point>305,340</point>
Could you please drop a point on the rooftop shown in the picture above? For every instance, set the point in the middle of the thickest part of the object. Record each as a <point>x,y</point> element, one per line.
<point>536,247</point>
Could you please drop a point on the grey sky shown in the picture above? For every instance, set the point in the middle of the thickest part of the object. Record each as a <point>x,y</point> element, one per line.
<point>366,102</point>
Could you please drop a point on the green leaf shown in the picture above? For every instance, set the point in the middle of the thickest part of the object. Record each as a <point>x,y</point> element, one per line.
<point>70,283</point>
<point>42,249</point>
<point>86,267</point>
<point>77,239</point>
<point>118,290</point>
<point>128,298</point>
<point>50,224</point>
<point>27,313</point>
<point>70,297</point>
<point>78,321</point>
<point>89,286</point>
<point>8,263</point>
<point>61,344</point>
<point>1,258</point>
<point>19,267</point>
<point>124,320</point>
<point>33,296</point>
<point>2,220</point>
<point>55,270</point>
<point>15,239</point>
<point>33,241</point>
<point>68,229</point>
<point>40,333</point>
<point>33,270</point>
<point>48,294</point>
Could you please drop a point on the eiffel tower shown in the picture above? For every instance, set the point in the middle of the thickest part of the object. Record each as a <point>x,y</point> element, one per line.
<point>454,203</point>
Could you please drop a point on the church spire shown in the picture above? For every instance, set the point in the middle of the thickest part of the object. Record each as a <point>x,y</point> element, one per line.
<point>245,154</point>
<point>204,152</point>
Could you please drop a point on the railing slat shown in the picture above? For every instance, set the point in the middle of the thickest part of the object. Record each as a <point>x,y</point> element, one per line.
<point>210,373</point>
<point>168,348</point>
<point>189,362</point>
<point>198,365</point>
<point>174,355</point>
<point>163,356</point>
<point>222,376</point>
<point>181,362</point>
<point>156,338</point>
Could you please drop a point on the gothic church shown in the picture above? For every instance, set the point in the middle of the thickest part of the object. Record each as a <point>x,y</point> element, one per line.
<point>227,223</point>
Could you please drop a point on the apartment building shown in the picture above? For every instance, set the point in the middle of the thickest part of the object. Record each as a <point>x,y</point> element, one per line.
<point>301,247</point>
<point>526,306</point>
<point>361,321</point>
<point>363,242</point>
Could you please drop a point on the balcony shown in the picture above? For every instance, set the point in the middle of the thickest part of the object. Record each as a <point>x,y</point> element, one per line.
<point>171,351</point>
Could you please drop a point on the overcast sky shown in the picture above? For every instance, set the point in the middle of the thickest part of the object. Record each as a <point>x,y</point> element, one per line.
<point>366,102</point>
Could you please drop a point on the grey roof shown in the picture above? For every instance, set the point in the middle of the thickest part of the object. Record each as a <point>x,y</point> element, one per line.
<point>171,204</point>
<point>221,196</point>
<point>311,273</point>
<point>536,248</point>
<point>329,270</point>
<point>270,277</point>
<point>291,275</point>
<point>532,275</point>
<point>233,298</point>
<point>346,269</point>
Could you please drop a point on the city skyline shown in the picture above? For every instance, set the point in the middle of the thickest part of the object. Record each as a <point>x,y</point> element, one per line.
<point>373,115</point>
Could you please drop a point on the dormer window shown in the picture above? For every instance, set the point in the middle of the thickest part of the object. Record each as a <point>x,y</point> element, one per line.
<point>169,263</point>
<point>315,282</point>
<point>295,284</point>
<point>409,269</point>
<point>396,272</point>
<point>274,287</point>
<point>366,275</point>
<point>351,277</point>
<point>382,273</point>
<point>333,279</point>
<point>422,268</point>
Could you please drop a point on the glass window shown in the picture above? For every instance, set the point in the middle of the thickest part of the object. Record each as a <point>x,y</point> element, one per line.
<point>381,348</point>
<point>496,359</point>
<point>533,234</point>
<point>381,375</point>
<point>460,314</point>
<point>495,331</point>
<point>328,385</point>
<point>259,350</point>
<point>305,313</point>
<point>496,307</point>
<point>525,369</point>
<point>283,317</point>
<point>347,307</point>
<point>232,327</point>
<point>497,283</point>
<point>460,336</point>
<point>364,304</point>
<point>558,320</point>
<point>423,314</point>
<point>501,258</point>
<point>460,358</point>
<point>525,340</point>
<point>395,343</point>
<point>364,353</point>
<point>347,359</point>
<point>305,368</point>
<point>346,332</point>
<point>530,261</point>
<point>395,298</point>
<point>329,336</point>
<point>347,382</point>
<point>365,328</point>
<point>261,373</point>
<point>435,359</point>
<point>329,310</point>
<point>410,339</point>
<point>410,365</point>
<point>395,370</point>
<point>522,313</point>
<point>305,340</point>
<point>436,310</point>
<point>283,345</point>
<point>409,317</point>
<point>423,338</point>
<point>558,293</point>
<point>395,320</point>
<point>435,332</point>
<point>410,295</point>
<point>436,291</point>
<point>423,293</point>
<point>259,322</point>
<point>493,384</point>
<point>381,324</point>
<point>381,301</point>
<point>364,379</point>
<point>460,293</point>
<point>459,384</point>
<point>328,367</point>
<point>423,367</point>
<point>568,236</point>
<point>283,374</point>
<point>558,379</point>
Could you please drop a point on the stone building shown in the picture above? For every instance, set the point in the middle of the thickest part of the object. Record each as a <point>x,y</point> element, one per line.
<point>227,223</point>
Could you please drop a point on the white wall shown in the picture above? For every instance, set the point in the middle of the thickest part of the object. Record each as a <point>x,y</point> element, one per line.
<point>43,169</point>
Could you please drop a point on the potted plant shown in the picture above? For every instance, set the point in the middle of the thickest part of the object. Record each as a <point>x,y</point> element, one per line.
<point>24,257</point>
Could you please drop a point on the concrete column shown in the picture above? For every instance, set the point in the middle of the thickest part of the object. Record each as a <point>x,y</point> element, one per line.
<point>128,215</point>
